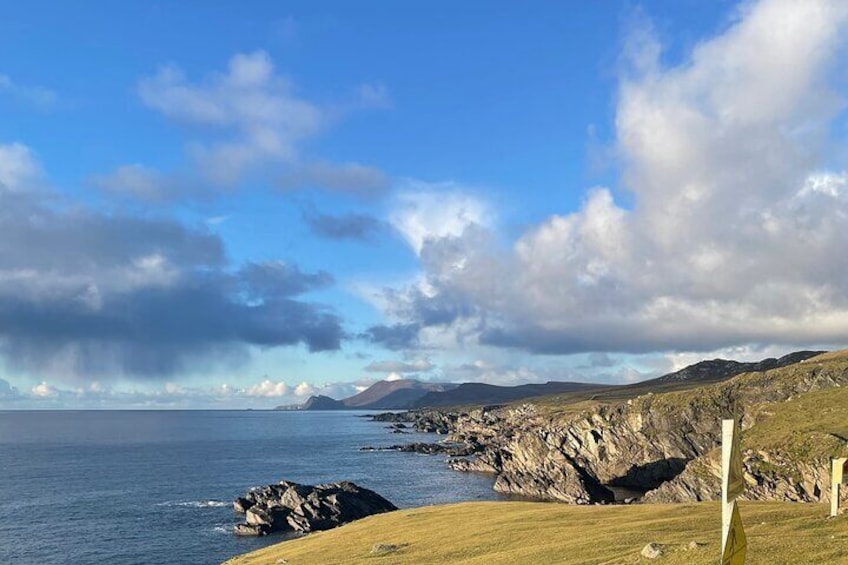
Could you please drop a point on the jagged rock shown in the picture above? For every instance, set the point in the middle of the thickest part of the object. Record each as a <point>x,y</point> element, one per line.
<point>428,421</point>
<point>652,551</point>
<point>289,506</point>
<point>241,505</point>
<point>249,530</point>
<point>472,465</point>
<point>769,476</point>
<point>391,417</point>
<point>450,449</point>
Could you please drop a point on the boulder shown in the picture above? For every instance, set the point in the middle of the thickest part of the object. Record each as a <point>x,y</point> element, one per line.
<point>652,551</point>
<point>293,507</point>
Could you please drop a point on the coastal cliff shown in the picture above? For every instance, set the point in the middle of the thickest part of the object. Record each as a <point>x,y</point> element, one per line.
<point>664,444</point>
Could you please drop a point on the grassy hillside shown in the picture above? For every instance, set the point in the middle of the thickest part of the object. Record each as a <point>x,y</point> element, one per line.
<point>527,532</point>
<point>811,425</point>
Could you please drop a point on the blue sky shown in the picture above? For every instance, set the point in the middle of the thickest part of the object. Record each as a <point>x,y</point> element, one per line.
<point>214,205</point>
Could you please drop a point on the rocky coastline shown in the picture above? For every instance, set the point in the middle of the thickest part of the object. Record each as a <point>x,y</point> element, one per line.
<point>662,445</point>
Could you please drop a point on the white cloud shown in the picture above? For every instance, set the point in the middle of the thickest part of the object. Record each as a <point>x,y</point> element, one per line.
<point>414,366</point>
<point>253,107</point>
<point>269,388</point>
<point>44,390</point>
<point>266,393</point>
<point>33,95</point>
<point>305,389</point>
<point>19,169</point>
<point>833,185</point>
<point>736,234</point>
<point>431,211</point>
<point>245,122</point>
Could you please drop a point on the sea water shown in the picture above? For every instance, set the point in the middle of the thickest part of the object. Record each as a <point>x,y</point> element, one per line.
<point>137,487</point>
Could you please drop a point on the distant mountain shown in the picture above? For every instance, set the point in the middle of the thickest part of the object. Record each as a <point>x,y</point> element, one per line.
<point>406,394</point>
<point>721,369</point>
<point>322,402</point>
<point>481,393</point>
<point>399,394</point>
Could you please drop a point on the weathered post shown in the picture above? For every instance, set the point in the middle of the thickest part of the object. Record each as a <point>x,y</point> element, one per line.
<point>837,476</point>
<point>733,542</point>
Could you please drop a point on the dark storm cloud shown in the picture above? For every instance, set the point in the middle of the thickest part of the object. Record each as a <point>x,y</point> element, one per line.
<point>36,235</point>
<point>97,294</point>
<point>394,337</point>
<point>281,279</point>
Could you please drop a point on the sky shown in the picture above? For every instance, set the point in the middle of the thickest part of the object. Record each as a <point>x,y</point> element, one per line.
<point>213,205</point>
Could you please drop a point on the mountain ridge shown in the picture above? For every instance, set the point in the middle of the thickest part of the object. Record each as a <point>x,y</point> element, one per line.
<point>412,394</point>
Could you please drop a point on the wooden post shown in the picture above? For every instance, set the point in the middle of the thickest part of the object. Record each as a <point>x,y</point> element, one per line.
<point>836,479</point>
<point>727,429</point>
<point>732,485</point>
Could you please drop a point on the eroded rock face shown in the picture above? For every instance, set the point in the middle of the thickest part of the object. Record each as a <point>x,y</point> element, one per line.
<point>656,443</point>
<point>293,507</point>
<point>768,476</point>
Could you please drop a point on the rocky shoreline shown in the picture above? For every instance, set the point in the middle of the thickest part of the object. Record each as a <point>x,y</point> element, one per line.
<point>662,445</point>
<point>296,508</point>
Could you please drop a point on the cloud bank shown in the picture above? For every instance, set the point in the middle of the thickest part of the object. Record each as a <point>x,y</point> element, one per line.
<point>89,293</point>
<point>736,232</point>
<point>266,393</point>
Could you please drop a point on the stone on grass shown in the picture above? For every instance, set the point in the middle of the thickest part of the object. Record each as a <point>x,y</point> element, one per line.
<point>383,548</point>
<point>652,550</point>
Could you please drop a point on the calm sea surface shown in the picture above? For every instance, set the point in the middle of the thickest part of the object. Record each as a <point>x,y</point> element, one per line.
<point>155,487</point>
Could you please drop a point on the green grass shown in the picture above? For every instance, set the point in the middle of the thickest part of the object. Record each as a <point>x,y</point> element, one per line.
<point>811,426</point>
<point>493,533</point>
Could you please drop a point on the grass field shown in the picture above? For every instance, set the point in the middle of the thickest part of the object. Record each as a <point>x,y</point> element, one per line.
<point>539,533</point>
<point>812,425</point>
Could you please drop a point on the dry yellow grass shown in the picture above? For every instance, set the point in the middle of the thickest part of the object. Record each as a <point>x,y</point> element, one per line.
<point>538,533</point>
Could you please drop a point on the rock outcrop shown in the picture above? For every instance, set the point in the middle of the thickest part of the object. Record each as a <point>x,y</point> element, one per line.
<point>769,475</point>
<point>292,507</point>
<point>427,421</point>
<point>449,449</point>
<point>655,442</point>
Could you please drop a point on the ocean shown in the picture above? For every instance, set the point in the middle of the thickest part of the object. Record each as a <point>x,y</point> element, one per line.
<point>139,487</point>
